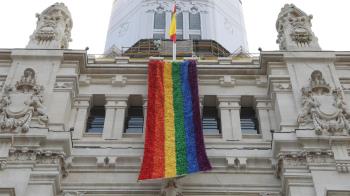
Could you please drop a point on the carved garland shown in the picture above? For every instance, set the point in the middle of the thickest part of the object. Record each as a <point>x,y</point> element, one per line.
<point>19,106</point>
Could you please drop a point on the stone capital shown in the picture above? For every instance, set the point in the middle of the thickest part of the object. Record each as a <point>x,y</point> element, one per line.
<point>226,98</point>
<point>82,101</point>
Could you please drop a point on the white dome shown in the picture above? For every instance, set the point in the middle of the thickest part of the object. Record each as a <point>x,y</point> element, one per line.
<point>219,20</point>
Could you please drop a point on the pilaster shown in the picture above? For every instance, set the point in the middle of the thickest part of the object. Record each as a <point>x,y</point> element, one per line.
<point>145,104</point>
<point>119,117</point>
<point>230,118</point>
<point>82,105</point>
<point>262,107</point>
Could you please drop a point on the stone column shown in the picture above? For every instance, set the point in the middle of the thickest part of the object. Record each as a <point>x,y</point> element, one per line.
<point>262,109</point>
<point>82,104</point>
<point>119,117</point>
<point>230,118</point>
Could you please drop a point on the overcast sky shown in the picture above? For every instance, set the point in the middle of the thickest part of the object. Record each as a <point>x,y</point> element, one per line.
<point>90,17</point>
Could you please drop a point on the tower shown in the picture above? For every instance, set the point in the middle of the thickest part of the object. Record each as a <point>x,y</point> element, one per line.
<point>221,21</point>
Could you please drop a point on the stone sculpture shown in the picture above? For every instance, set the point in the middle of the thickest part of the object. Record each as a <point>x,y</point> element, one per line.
<point>294,30</point>
<point>324,107</point>
<point>19,107</point>
<point>53,30</point>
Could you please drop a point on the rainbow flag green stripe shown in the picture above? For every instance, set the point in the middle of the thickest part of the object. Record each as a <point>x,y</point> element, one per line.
<point>174,143</point>
<point>181,161</point>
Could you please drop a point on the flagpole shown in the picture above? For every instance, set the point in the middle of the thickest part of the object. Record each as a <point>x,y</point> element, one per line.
<point>174,51</point>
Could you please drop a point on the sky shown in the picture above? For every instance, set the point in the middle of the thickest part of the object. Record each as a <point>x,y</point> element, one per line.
<point>91,17</point>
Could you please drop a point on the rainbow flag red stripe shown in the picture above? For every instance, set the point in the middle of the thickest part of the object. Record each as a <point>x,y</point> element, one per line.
<point>174,144</point>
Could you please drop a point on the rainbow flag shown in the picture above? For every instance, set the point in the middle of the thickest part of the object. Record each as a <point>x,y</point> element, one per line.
<point>174,144</point>
<point>172,30</point>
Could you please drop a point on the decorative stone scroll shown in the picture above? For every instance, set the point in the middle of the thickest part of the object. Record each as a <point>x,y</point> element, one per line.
<point>19,105</point>
<point>324,108</point>
<point>294,30</point>
<point>53,30</point>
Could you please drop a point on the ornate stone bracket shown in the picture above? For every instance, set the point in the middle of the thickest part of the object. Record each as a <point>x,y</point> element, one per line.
<point>3,164</point>
<point>324,108</point>
<point>19,106</point>
<point>39,157</point>
<point>303,159</point>
<point>170,188</point>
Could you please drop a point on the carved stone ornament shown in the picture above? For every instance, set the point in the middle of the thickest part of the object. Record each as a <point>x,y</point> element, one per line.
<point>181,6</point>
<point>53,30</point>
<point>294,30</point>
<point>170,188</point>
<point>39,157</point>
<point>324,108</point>
<point>3,164</point>
<point>18,107</point>
<point>303,159</point>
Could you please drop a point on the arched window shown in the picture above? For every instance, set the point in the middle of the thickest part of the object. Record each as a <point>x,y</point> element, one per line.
<point>159,20</point>
<point>179,26</point>
<point>159,25</point>
<point>194,26</point>
<point>195,21</point>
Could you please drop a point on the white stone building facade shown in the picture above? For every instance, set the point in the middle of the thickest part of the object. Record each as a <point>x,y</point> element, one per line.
<point>299,95</point>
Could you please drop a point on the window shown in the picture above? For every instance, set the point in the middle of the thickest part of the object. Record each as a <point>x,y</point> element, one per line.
<point>159,20</point>
<point>195,21</point>
<point>195,37</point>
<point>249,122</point>
<point>134,120</point>
<point>179,21</point>
<point>179,37</point>
<point>210,121</point>
<point>96,119</point>
<point>158,36</point>
<point>210,116</point>
<point>159,25</point>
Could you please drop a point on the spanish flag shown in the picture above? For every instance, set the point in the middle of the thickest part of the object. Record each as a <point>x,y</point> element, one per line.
<point>172,31</point>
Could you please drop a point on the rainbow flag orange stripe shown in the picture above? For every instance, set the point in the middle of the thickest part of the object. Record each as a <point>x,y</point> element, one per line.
<point>174,144</point>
